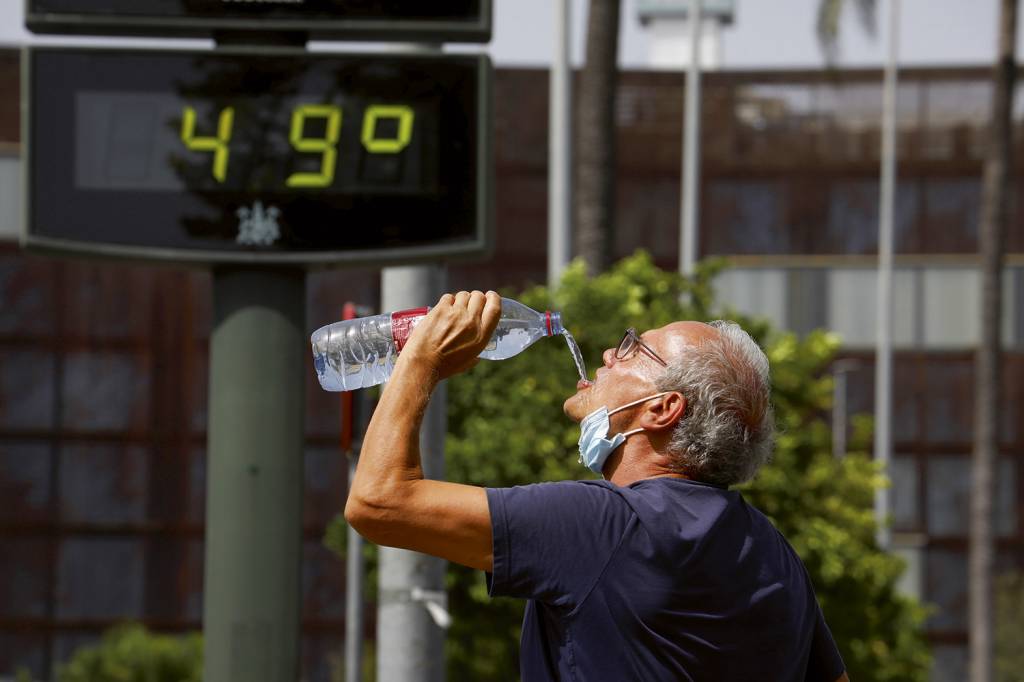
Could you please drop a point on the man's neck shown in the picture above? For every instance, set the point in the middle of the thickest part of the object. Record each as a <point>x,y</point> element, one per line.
<point>634,462</point>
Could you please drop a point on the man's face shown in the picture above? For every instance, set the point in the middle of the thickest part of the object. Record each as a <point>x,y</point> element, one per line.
<point>619,381</point>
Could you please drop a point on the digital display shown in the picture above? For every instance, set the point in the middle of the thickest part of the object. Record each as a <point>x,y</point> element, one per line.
<point>433,20</point>
<point>273,156</point>
<point>333,144</point>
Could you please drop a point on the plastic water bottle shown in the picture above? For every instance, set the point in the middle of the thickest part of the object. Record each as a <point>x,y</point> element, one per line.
<point>362,352</point>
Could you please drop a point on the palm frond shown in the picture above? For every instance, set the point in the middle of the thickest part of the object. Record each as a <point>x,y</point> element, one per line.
<point>827,27</point>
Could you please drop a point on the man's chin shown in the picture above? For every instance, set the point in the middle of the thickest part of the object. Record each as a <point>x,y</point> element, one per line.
<point>574,406</point>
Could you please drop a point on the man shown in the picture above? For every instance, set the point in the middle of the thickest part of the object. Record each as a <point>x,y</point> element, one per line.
<point>658,572</point>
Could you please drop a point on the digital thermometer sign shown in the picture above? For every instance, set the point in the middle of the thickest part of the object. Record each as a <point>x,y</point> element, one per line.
<point>423,20</point>
<point>279,157</point>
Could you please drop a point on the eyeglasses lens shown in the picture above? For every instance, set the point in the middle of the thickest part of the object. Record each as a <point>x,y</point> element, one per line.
<point>626,346</point>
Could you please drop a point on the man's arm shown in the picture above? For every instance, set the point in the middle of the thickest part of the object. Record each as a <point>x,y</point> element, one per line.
<point>843,678</point>
<point>390,503</point>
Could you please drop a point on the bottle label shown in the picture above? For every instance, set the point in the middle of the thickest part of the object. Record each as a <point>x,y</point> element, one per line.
<point>402,324</point>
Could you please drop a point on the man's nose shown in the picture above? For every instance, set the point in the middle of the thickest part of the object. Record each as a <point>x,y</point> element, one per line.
<point>608,357</point>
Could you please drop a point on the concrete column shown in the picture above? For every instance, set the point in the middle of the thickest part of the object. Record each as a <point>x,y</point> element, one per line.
<point>410,641</point>
<point>258,367</point>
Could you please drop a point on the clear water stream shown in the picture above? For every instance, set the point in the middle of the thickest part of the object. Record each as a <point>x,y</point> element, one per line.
<point>577,356</point>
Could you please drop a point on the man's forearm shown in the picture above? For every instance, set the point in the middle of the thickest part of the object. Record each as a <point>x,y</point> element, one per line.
<point>389,461</point>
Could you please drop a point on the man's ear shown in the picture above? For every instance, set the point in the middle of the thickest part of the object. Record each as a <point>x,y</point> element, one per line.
<point>663,413</point>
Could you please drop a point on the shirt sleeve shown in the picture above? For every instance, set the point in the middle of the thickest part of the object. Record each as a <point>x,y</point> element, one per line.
<point>825,663</point>
<point>552,541</point>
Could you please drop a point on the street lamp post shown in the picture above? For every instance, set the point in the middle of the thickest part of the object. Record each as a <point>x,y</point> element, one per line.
<point>883,355</point>
<point>560,147</point>
<point>691,150</point>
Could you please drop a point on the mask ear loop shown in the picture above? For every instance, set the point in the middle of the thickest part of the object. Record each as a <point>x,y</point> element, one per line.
<point>637,402</point>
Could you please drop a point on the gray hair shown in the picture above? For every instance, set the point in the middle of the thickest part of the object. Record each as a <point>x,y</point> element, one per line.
<point>726,432</point>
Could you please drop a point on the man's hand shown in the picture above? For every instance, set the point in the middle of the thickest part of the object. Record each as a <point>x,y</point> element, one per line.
<point>454,333</point>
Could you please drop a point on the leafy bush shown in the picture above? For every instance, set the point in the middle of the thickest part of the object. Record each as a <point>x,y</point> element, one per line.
<point>1009,630</point>
<point>130,653</point>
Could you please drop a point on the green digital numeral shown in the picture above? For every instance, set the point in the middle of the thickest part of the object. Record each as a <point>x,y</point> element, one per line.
<point>218,145</point>
<point>376,145</point>
<point>326,145</point>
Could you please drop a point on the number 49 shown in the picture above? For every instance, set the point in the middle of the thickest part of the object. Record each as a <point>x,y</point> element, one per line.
<point>326,145</point>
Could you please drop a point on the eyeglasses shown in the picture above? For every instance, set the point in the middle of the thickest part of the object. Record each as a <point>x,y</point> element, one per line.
<point>631,343</point>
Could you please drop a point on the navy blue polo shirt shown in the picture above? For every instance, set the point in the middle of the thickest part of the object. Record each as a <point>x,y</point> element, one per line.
<point>665,579</point>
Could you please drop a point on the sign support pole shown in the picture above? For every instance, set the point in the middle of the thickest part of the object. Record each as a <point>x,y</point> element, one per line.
<point>412,603</point>
<point>252,590</point>
<point>258,370</point>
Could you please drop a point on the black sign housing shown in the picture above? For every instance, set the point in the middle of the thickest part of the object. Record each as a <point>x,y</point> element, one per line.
<point>236,156</point>
<point>394,20</point>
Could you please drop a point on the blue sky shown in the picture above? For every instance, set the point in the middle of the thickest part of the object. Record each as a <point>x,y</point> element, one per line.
<point>766,34</point>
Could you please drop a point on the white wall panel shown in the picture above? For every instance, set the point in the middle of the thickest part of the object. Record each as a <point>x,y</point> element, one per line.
<point>852,306</point>
<point>935,308</point>
<point>758,292</point>
<point>951,307</point>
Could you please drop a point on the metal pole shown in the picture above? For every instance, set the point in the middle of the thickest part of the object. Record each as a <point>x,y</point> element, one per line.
<point>411,601</point>
<point>839,414</point>
<point>353,407</point>
<point>560,148</point>
<point>355,573</point>
<point>691,149</point>
<point>883,355</point>
<point>253,581</point>
<point>839,411</point>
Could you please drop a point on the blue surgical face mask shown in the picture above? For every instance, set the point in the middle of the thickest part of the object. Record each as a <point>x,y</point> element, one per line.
<point>595,447</point>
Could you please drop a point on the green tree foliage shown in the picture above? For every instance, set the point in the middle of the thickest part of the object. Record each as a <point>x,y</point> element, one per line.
<point>130,653</point>
<point>506,427</point>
